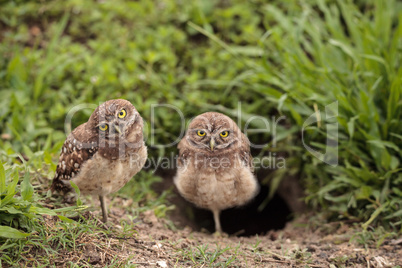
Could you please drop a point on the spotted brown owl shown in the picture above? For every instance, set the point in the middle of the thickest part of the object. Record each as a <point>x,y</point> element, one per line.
<point>103,154</point>
<point>215,169</point>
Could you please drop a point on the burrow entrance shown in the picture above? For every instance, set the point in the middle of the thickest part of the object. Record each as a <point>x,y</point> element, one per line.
<point>247,220</point>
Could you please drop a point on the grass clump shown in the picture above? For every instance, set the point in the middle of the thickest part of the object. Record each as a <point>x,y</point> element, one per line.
<point>19,206</point>
<point>210,256</point>
<point>343,59</point>
<point>37,230</point>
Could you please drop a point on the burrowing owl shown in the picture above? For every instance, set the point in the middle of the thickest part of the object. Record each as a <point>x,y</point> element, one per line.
<point>103,154</point>
<point>215,169</point>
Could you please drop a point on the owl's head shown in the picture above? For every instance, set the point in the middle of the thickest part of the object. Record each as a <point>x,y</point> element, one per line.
<point>116,120</point>
<point>213,133</point>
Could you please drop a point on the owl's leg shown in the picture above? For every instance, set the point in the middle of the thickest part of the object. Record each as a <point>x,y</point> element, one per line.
<point>103,207</point>
<point>218,227</point>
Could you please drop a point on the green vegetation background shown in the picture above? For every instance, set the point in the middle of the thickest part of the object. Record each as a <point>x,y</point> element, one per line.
<point>277,58</point>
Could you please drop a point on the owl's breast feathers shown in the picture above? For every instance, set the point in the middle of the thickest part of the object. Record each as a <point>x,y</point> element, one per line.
<point>76,150</point>
<point>216,182</point>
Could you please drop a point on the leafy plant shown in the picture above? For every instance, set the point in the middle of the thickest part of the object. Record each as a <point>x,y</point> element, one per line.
<point>17,203</point>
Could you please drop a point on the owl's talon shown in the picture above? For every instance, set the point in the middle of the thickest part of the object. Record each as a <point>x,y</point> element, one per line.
<point>221,234</point>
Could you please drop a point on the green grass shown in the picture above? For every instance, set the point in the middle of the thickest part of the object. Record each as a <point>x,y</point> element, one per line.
<point>211,257</point>
<point>38,230</point>
<point>291,59</point>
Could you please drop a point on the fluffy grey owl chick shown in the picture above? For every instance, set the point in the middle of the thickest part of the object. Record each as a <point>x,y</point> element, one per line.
<point>103,154</point>
<point>215,169</point>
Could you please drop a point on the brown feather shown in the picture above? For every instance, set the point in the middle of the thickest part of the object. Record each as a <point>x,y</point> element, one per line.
<point>77,149</point>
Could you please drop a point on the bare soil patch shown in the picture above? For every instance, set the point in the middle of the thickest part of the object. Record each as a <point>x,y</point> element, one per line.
<point>155,242</point>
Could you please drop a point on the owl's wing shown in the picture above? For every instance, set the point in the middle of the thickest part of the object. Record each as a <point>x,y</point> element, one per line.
<point>184,153</point>
<point>77,149</point>
<point>245,154</point>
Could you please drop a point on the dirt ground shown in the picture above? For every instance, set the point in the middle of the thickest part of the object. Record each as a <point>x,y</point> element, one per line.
<point>292,247</point>
<point>175,241</point>
<point>155,243</point>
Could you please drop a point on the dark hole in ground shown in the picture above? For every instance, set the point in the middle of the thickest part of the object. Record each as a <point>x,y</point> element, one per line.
<point>248,220</point>
<point>242,221</point>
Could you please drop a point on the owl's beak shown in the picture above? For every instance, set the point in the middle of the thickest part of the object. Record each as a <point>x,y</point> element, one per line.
<point>212,144</point>
<point>116,127</point>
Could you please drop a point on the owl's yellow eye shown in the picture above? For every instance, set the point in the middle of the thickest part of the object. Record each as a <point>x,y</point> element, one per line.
<point>103,127</point>
<point>201,133</point>
<point>122,113</point>
<point>224,134</point>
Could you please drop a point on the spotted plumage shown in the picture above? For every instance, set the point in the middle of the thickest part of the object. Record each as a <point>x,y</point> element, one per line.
<point>101,155</point>
<point>73,156</point>
<point>215,169</point>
